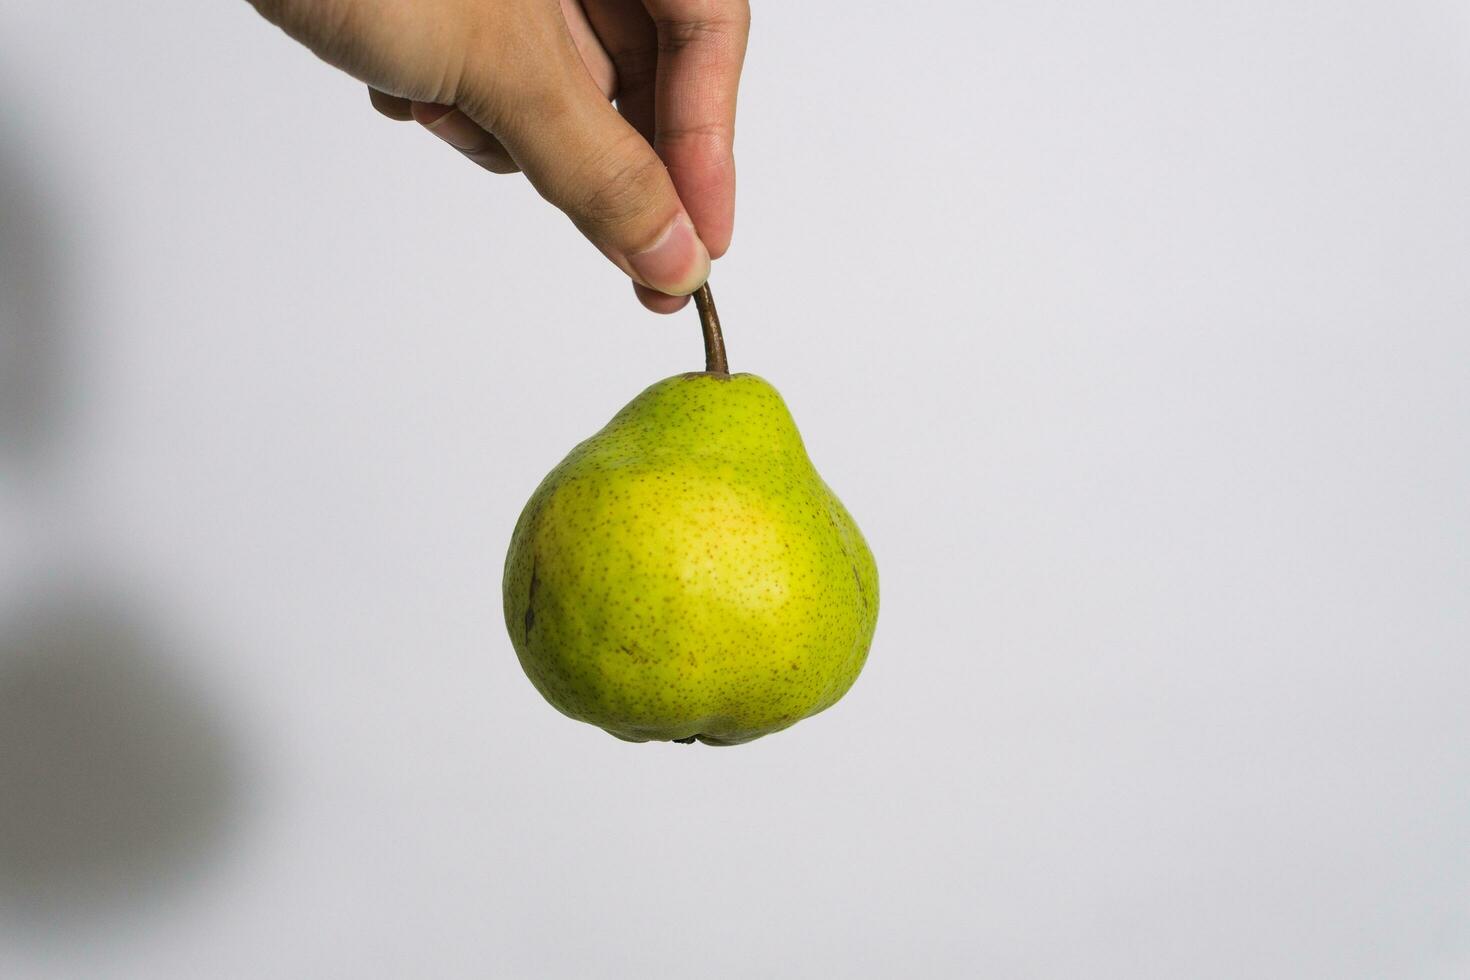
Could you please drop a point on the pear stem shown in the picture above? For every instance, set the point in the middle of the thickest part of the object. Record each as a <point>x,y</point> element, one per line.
<point>714,340</point>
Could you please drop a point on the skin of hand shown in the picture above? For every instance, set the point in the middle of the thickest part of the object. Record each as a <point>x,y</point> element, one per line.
<point>527,85</point>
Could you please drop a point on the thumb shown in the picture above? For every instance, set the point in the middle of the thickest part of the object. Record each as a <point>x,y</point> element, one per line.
<point>583,157</point>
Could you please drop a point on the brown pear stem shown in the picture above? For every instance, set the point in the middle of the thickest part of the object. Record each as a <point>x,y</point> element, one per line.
<point>714,340</point>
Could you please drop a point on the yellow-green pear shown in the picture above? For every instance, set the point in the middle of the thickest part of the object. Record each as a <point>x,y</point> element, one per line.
<point>685,573</point>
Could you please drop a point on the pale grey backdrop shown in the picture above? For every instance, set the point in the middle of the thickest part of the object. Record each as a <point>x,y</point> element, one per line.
<point>1136,336</point>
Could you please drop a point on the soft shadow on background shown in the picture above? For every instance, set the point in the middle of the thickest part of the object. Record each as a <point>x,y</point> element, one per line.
<point>30,317</point>
<point>117,783</point>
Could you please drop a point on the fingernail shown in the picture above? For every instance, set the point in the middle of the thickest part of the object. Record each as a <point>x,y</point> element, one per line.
<point>676,263</point>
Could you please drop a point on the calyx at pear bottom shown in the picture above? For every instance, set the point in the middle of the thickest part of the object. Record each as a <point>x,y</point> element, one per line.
<point>685,573</point>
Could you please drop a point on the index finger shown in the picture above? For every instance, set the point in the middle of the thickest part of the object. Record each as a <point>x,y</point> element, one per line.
<point>701,50</point>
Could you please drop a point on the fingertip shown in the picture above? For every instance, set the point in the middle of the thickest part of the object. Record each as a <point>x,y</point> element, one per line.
<point>658,302</point>
<point>428,113</point>
<point>392,106</point>
<point>677,263</point>
<point>711,207</point>
<point>717,245</point>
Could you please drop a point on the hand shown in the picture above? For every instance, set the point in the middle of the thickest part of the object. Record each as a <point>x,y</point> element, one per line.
<point>525,85</point>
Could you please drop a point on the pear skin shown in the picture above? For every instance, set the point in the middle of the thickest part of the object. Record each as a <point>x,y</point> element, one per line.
<point>685,573</point>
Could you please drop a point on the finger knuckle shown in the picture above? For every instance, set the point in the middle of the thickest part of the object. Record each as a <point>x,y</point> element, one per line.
<point>720,25</point>
<point>501,105</point>
<point>326,27</point>
<point>712,142</point>
<point>619,187</point>
<point>675,36</point>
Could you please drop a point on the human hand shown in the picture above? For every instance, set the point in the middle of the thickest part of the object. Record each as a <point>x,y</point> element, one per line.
<point>525,85</point>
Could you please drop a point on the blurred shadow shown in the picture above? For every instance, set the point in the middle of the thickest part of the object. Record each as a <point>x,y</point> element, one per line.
<point>30,313</point>
<point>115,782</point>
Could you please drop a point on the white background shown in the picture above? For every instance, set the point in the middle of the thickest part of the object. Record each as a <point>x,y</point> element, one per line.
<point>1135,335</point>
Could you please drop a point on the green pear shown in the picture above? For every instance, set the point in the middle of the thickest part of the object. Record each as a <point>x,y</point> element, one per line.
<point>685,573</point>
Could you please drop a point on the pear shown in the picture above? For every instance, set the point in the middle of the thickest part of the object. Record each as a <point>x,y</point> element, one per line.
<point>685,573</point>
